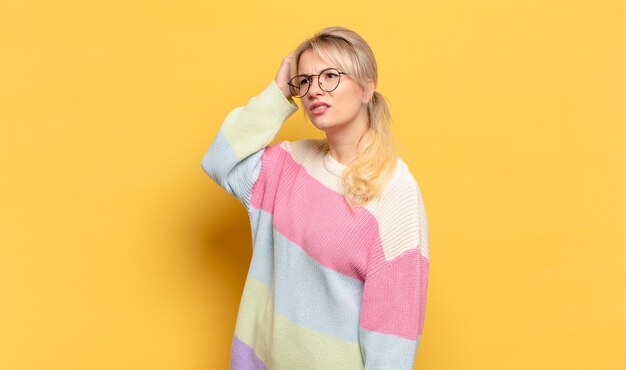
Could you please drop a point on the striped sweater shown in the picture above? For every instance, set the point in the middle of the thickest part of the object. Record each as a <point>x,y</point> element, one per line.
<point>327,287</point>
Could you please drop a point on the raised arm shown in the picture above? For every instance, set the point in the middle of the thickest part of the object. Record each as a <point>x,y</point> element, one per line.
<point>233,160</point>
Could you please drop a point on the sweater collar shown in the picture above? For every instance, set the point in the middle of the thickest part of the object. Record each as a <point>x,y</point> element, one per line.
<point>333,166</point>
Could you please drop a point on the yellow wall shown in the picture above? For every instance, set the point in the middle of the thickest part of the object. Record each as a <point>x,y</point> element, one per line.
<point>118,252</point>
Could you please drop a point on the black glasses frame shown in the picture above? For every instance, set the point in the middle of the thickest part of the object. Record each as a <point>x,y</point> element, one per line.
<point>310,79</point>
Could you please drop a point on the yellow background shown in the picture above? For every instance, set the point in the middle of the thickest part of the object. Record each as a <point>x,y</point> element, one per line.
<point>118,252</point>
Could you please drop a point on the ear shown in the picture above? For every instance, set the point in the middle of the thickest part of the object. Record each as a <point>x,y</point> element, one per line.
<point>369,92</point>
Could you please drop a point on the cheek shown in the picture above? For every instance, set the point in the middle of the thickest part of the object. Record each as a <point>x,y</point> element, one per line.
<point>350,105</point>
<point>350,98</point>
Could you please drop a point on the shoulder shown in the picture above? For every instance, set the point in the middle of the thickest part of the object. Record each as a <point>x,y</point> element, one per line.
<point>401,184</point>
<point>398,213</point>
<point>304,151</point>
<point>305,145</point>
<point>402,188</point>
<point>307,152</point>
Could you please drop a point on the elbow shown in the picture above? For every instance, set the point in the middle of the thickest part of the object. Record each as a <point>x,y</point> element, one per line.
<point>205,165</point>
<point>209,166</point>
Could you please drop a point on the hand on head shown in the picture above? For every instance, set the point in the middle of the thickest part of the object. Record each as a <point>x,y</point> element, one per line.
<point>282,76</point>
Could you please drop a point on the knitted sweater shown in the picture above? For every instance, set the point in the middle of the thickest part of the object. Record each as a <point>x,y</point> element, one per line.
<point>327,287</point>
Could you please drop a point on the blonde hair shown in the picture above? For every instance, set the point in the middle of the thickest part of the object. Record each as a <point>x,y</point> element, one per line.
<point>366,177</point>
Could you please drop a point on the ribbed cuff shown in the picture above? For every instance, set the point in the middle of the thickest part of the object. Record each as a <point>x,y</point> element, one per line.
<point>275,97</point>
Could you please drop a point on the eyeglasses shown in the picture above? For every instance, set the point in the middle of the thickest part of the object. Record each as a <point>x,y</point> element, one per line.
<point>328,80</point>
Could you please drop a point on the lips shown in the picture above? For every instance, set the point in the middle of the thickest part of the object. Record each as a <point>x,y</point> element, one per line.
<point>319,107</point>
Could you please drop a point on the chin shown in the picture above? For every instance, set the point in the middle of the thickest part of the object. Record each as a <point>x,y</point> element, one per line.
<point>322,122</point>
<point>324,126</point>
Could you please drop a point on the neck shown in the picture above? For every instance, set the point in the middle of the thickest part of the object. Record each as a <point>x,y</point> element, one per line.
<point>343,142</point>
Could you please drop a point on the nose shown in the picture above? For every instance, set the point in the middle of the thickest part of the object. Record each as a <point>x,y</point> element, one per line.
<point>315,89</point>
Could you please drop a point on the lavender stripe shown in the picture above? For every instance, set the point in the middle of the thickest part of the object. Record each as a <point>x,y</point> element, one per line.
<point>242,357</point>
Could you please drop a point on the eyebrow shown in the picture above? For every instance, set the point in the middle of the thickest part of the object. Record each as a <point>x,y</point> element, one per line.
<point>323,69</point>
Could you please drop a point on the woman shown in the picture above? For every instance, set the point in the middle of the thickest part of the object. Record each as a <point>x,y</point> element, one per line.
<point>339,270</point>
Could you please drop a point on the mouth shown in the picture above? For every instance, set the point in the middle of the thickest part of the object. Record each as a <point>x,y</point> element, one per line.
<point>319,108</point>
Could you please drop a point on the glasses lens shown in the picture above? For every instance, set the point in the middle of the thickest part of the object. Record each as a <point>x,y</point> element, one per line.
<point>329,79</point>
<point>299,86</point>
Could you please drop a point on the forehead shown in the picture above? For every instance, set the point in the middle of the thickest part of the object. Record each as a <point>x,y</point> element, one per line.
<point>310,63</point>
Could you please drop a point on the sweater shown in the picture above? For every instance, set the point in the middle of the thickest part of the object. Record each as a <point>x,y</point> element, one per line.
<point>328,287</point>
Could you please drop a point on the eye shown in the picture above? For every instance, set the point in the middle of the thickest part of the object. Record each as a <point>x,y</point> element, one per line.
<point>303,80</point>
<point>329,75</point>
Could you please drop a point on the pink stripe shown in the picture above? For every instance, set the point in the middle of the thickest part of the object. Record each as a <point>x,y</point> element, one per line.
<point>394,300</point>
<point>315,217</point>
<point>424,268</point>
<point>263,194</point>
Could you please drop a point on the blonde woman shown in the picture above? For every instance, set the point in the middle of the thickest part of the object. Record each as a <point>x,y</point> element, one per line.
<point>339,270</point>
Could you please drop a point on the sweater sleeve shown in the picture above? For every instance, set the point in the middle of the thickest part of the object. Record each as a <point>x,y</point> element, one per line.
<point>233,160</point>
<point>394,296</point>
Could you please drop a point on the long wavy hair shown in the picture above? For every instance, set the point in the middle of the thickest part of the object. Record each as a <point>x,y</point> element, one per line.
<point>366,177</point>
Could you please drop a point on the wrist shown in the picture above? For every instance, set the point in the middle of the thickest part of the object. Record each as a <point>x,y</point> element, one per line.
<point>284,88</point>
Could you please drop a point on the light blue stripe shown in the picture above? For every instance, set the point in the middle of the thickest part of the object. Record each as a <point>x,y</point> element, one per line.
<point>306,292</point>
<point>235,176</point>
<point>387,351</point>
<point>262,263</point>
